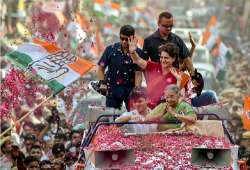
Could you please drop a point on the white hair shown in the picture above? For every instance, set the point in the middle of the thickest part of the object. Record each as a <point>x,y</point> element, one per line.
<point>173,88</point>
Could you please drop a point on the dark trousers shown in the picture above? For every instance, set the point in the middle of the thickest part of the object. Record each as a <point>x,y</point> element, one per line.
<point>206,98</point>
<point>117,95</point>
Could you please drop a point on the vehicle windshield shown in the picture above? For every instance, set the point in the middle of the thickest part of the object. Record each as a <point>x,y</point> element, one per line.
<point>200,56</point>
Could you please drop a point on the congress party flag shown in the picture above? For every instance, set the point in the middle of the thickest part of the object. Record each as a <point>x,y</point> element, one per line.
<point>57,67</point>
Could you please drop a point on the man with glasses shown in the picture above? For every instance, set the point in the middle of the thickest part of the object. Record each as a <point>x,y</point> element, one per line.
<point>162,36</point>
<point>119,79</point>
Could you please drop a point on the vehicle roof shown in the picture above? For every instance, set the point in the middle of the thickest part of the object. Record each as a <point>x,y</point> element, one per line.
<point>183,33</point>
<point>205,67</point>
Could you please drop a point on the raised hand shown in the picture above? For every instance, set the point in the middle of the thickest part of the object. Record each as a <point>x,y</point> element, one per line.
<point>169,109</point>
<point>174,72</point>
<point>132,41</point>
<point>191,40</point>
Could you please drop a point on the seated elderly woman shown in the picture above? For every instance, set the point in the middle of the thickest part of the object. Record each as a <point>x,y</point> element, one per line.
<point>173,111</point>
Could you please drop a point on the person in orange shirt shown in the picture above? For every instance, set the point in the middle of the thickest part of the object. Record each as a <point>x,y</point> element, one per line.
<point>192,87</point>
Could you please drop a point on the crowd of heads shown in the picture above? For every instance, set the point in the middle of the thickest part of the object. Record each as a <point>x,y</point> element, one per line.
<point>32,150</point>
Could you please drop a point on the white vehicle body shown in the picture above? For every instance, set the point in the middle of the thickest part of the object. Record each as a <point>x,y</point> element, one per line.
<point>208,73</point>
<point>201,54</point>
<point>183,34</point>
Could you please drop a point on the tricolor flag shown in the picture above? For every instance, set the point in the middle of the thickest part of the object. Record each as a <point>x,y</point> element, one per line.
<point>99,42</point>
<point>56,66</point>
<point>222,53</point>
<point>99,7</point>
<point>107,29</point>
<point>114,10</point>
<point>246,113</point>
<point>217,48</point>
<point>110,9</point>
<point>220,49</point>
<point>211,33</point>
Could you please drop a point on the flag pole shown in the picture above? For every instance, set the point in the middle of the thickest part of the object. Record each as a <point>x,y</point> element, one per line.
<point>27,114</point>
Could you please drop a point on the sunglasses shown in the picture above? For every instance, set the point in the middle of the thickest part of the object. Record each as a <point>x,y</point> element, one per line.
<point>123,38</point>
<point>167,26</point>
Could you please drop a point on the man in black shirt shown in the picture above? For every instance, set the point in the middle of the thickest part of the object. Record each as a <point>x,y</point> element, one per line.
<point>162,36</point>
<point>119,78</point>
